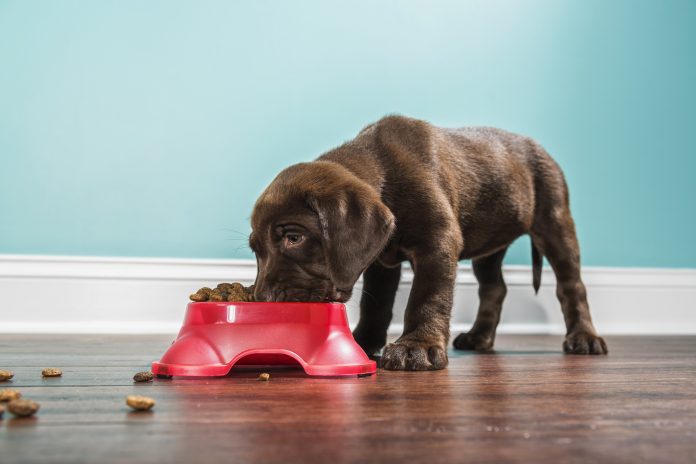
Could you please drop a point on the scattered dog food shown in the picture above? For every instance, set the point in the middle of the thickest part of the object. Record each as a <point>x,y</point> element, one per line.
<point>224,292</point>
<point>6,375</point>
<point>143,377</point>
<point>9,395</point>
<point>264,377</point>
<point>140,403</point>
<point>51,372</point>
<point>23,408</point>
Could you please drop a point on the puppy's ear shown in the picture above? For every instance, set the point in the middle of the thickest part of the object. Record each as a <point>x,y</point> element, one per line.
<point>355,227</point>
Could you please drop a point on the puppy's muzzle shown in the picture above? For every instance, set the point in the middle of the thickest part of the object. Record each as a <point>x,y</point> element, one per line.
<point>302,295</point>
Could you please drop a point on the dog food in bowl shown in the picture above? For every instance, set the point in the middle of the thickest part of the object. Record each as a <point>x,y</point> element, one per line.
<point>224,292</point>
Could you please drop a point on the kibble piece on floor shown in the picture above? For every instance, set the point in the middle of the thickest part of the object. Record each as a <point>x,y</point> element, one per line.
<point>23,408</point>
<point>51,372</point>
<point>265,377</point>
<point>9,395</point>
<point>140,403</point>
<point>143,377</point>
<point>6,375</point>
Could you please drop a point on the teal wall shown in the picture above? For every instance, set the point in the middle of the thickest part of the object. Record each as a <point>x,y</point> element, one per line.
<point>148,128</point>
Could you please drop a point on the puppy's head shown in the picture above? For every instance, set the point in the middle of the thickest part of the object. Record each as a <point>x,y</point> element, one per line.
<point>314,231</point>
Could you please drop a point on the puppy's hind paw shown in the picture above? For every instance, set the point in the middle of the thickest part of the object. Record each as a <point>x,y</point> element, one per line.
<point>584,343</point>
<point>473,342</point>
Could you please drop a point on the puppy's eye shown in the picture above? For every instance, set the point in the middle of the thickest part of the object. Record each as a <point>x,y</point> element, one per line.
<point>292,239</point>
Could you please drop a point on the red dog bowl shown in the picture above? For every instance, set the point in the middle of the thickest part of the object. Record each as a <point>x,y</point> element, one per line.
<point>217,336</point>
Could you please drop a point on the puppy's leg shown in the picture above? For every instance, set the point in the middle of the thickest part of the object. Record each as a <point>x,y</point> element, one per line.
<point>555,236</point>
<point>492,290</point>
<point>380,284</point>
<point>423,345</point>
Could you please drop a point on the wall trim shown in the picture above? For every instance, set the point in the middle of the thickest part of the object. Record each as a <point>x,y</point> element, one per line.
<point>75,294</point>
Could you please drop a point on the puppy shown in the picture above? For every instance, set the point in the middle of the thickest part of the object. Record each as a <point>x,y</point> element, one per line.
<point>404,190</point>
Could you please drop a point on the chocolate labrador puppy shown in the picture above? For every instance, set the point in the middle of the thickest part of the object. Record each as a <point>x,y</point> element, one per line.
<point>404,190</point>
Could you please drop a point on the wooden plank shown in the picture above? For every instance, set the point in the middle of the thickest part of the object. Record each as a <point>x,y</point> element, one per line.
<point>526,402</point>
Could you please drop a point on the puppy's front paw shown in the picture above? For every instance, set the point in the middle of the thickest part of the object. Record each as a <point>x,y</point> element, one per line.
<point>584,343</point>
<point>473,342</point>
<point>370,343</point>
<point>410,355</point>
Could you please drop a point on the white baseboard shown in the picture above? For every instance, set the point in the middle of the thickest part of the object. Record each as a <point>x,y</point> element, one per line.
<point>69,294</point>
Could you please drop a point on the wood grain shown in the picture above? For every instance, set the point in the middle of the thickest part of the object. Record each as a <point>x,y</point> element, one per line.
<point>526,402</point>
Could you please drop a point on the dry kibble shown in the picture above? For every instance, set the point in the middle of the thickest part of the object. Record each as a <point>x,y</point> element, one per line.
<point>227,288</point>
<point>197,297</point>
<point>237,292</point>
<point>201,295</point>
<point>143,377</point>
<point>51,372</point>
<point>224,292</point>
<point>9,395</point>
<point>6,375</point>
<point>140,403</point>
<point>216,295</point>
<point>23,408</point>
<point>264,377</point>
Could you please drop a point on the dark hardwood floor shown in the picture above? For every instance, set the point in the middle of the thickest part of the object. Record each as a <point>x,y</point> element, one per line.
<point>525,403</point>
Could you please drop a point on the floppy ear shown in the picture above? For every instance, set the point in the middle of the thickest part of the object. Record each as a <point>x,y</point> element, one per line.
<point>355,227</point>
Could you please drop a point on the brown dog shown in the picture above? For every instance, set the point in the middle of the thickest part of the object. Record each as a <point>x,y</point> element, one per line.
<point>406,190</point>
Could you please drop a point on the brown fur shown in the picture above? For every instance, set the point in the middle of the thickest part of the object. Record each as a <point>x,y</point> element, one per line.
<point>404,190</point>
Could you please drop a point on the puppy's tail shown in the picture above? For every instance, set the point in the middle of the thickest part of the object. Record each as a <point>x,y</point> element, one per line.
<point>537,263</point>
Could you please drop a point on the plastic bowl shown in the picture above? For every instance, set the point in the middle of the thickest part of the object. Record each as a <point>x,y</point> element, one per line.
<point>217,336</point>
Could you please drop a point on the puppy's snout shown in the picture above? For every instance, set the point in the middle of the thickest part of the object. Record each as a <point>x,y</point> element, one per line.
<point>263,294</point>
<point>269,288</point>
<point>260,290</point>
<point>267,292</point>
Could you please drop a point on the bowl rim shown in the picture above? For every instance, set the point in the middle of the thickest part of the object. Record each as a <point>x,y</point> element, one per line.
<point>266,303</point>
